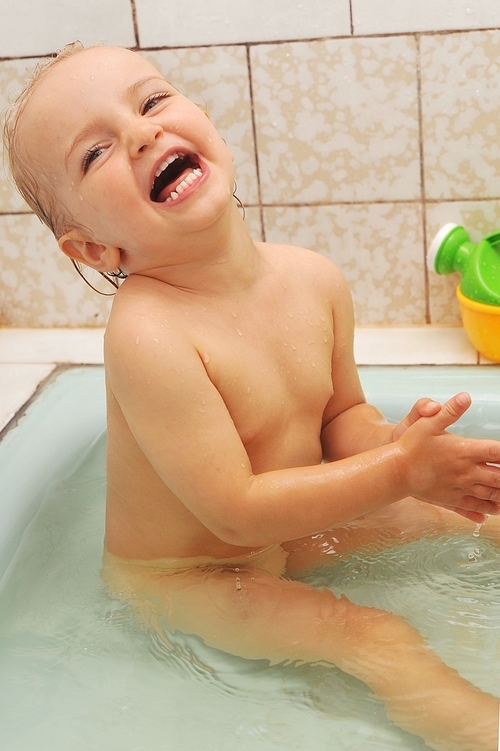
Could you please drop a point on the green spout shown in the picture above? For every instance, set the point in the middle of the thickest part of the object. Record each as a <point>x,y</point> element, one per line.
<point>479,265</point>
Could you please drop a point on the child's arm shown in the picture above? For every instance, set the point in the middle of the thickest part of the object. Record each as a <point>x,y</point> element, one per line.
<point>182,425</point>
<point>350,425</point>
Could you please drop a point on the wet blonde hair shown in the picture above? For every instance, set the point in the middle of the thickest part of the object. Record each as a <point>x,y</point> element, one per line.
<point>34,187</point>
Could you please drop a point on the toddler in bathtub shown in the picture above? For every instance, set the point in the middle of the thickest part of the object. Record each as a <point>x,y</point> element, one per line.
<point>240,445</point>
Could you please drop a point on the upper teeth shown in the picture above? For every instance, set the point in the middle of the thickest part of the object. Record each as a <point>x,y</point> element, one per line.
<point>188,180</point>
<point>163,166</point>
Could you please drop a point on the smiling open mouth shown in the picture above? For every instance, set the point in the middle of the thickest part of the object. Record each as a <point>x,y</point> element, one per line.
<point>177,173</point>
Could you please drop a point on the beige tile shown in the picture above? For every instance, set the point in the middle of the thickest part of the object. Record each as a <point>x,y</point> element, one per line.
<point>479,218</point>
<point>426,345</point>
<point>379,248</point>
<point>65,345</point>
<point>460,105</point>
<point>38,284</point>
<point>337,120</point>
<point>13,75</point>
<point>217,79</point>
<point>17,384</point>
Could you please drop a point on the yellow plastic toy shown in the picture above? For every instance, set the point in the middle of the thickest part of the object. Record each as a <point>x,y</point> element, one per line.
<point>479,290</point>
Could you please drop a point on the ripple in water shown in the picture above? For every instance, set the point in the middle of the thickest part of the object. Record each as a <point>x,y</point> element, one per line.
<point>78,672</point>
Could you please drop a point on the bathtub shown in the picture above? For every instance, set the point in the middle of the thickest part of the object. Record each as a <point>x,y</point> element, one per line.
<point>77,673</point>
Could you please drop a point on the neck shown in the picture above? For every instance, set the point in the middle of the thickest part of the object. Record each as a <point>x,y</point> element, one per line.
<point>219,261</point>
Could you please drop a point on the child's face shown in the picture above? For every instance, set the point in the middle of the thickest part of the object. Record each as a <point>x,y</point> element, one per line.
<point>133,161</point>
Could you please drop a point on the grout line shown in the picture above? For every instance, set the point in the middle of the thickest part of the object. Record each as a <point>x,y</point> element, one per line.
<point>135,23</point>
<point>255,145</point>
<point>351,18</point>
<point>381,35</point>
<point>418,67</point>
<point>319,204</point>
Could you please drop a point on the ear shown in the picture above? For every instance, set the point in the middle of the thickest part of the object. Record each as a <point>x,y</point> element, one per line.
<point>98,256</point>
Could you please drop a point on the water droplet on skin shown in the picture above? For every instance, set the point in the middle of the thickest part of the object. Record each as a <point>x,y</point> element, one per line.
<point>80,197</point>
<point>234,314</point>
<point>239,332</point>
<point>138,339</point>
<point>206,357</point>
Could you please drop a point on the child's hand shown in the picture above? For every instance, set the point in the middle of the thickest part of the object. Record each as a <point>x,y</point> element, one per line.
<point>446,469</point>
<point>423,408</point>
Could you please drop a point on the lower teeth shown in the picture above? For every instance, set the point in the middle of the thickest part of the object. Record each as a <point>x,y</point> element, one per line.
<point>188,180</point>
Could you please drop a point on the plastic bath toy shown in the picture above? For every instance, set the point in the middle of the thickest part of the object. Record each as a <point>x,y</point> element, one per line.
<point>479,289</point>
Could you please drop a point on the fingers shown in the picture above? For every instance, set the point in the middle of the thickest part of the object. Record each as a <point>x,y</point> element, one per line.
<point>451,411</point>
<point>473,516</point>
<point>424,407</point>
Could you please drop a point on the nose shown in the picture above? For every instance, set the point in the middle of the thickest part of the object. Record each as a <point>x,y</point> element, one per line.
<point>140,134</point>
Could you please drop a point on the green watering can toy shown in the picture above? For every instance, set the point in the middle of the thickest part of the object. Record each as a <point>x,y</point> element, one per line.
<point>479,289</point>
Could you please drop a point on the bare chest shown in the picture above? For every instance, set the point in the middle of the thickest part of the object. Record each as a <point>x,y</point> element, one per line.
<point>272,367</point>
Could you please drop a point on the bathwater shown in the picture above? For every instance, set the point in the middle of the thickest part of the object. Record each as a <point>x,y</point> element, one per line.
<point>77,673</point>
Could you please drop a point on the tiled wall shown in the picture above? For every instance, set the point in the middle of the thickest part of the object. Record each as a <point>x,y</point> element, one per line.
<point>359,127</point>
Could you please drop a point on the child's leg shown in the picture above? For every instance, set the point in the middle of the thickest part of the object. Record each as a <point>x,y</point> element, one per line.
<point>256,615</point>
<point>396,524</point>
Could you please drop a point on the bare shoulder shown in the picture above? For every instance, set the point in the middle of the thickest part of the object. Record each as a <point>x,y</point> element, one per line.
<point>305,266</point>
<point>143,324</point>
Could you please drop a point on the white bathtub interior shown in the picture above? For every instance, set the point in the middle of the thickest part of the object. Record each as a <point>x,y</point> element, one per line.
<point>77,672</point>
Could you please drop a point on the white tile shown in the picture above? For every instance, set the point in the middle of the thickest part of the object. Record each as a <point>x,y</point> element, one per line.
<point>169,23</point>
<point>76,346</point>
<point>418,345</point>
<point>388,17</point>
<point>43,26</point>
<point>17,384</point>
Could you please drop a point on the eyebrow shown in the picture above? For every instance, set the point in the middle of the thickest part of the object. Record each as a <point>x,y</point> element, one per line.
<point>129,93</point>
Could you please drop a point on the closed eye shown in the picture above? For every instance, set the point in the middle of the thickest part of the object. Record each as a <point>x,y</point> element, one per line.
<point>153,100</point>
